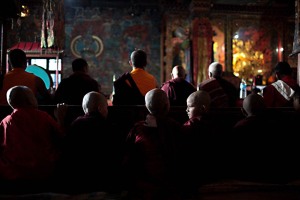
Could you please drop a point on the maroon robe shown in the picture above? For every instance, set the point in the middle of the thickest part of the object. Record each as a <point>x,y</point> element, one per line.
<point>29,145</point>
<point>282,96</point>
<point>222,92</point>
<point>150,159</point>
<point>178,90</point>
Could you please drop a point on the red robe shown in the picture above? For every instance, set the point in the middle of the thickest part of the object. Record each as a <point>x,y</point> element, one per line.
<point>29,145</point>
<point>279,93</point>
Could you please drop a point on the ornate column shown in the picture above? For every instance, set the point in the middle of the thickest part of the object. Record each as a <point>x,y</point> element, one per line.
<point>202,34</point>
<point>175,38</point>
<point>296,43</point>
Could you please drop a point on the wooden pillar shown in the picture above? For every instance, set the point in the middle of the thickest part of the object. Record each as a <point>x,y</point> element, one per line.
<point>296,42</point>
<point>175,34</point>
<point>298,70</point>
<point>202,34</point>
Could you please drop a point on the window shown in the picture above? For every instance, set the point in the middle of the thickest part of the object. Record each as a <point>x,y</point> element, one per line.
<point>52,66</point>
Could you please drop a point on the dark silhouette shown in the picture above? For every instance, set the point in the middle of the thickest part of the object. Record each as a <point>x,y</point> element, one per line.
<point>178,89</point>
<point>280,93</point>
<point>262,149</point>
<point>18,76</point>
<point>151,150</point>
<point>131,87</point>
<point>90,152</point>
<point>72,89</point>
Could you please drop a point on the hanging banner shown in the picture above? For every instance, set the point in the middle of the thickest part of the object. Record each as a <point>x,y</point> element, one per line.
<point>296,43</point>
<point>52,24</point>
<point>202,48</point>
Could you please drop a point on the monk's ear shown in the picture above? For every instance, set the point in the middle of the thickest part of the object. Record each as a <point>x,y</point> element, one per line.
<point>277,75</point>
<point>130,63</point>
<point>172,76</point>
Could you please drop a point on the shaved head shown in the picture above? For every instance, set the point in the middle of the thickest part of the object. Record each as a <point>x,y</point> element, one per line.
<point>157,102</point>
<point>215,70</point>
<point>199,98</point>
<point>198,103</point>
<point>178,71</point>
<point>95,102</point>
<point>17,58</point>
<point>21,97</point>
<point>254,104</point>
<point>138,58</point>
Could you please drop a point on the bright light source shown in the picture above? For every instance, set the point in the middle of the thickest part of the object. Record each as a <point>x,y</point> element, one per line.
<point>25,11</point>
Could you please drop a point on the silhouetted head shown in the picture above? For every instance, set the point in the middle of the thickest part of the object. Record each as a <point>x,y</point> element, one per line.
<point>198,103</point>
<point>17,58</point>
<point>178,71</point>
<point>21,97</point>
<point>157,102</point>
<point>79,65</point>
<point>282,69</point>
<point>95,102</point>
<point>215,70</point>
<point>254,104</point>
<point>138,59</point>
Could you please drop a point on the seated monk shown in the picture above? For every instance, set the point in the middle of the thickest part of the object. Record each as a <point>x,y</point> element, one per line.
<point>29,139</point>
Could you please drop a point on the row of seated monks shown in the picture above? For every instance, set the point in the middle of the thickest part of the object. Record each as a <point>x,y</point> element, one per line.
<point>266,155</point>
<point>151,151</point>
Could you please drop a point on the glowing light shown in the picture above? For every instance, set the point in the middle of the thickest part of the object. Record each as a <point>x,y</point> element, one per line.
<point>25,11</point>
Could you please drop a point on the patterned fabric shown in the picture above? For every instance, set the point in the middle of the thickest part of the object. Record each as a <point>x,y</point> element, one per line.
<point>52,32</point>
<point>202,35</point>
<point>284,89</point>
<point>222,92</point>
<point>47,36</point>
<point>216,92</point>
<point>279,94</point>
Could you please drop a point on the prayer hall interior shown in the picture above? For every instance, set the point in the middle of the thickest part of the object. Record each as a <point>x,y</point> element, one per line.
<point>246,37</point>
